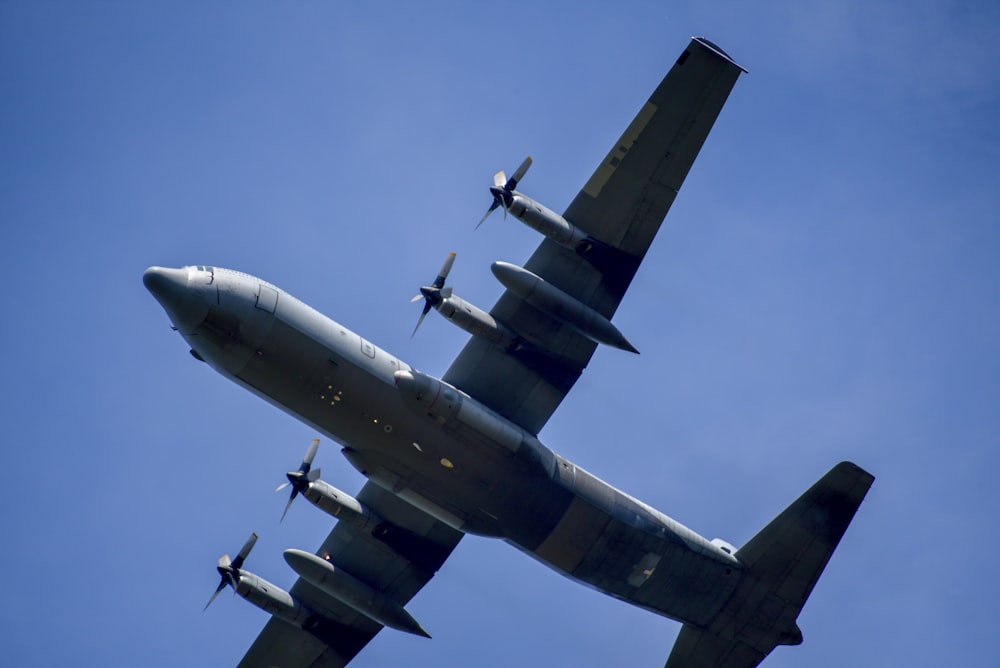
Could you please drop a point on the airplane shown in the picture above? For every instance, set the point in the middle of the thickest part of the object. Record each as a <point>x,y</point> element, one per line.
<point>460,454</point>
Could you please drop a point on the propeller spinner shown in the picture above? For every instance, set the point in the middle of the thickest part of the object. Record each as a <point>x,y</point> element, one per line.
<point>229,569</point>
<point>503,189</point>
<point>434,293</point>
<point>301,478</point>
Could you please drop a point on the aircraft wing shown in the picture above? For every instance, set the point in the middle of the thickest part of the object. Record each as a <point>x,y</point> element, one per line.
<point>397,557</point>
<point>621,208</point>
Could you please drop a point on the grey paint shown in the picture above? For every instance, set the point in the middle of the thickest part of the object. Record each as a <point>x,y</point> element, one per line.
<point>460,454</point>
<point>329,377</point>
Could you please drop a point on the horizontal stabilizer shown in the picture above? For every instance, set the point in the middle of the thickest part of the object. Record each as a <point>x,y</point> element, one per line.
<point>697,648</point>
<point>783,562</point>
<point>794,548</point>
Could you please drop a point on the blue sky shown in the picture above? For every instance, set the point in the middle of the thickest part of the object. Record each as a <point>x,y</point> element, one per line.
<point>825,288</point>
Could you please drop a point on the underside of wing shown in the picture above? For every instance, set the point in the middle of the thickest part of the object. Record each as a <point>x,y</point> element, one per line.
<point>394,556</point>
<point>630,192</point>
<point>619,211</point>
<point>281,644</point>
<point>696,648</point>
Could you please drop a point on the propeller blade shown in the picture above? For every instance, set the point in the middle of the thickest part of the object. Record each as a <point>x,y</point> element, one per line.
<point>431,294</point>
<point>518,175</point>
<point>229,568</point>
<point>294,477</point>
<point>244,551</point>
<point>225,569</point>
<point>420,320</point>
<point>288,505</point>
<point>493,207</point>
<point>310,455</point>
<point>502,189</point>
<point>222,585</point>
<point>445,270</point>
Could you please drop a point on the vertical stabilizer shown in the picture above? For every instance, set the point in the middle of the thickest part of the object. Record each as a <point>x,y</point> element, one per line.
<point>783,561</point>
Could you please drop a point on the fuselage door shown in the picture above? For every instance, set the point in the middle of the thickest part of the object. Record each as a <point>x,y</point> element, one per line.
<point>267,298</point>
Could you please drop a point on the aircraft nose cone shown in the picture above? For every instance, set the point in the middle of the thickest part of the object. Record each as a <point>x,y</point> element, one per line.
<point>167,285</point>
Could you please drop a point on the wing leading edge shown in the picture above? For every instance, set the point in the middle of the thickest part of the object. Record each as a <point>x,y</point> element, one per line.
<point>620,208</point>
<point>396,557</point>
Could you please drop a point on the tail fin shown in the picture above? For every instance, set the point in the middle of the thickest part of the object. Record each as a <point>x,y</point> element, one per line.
<point>783,562</point>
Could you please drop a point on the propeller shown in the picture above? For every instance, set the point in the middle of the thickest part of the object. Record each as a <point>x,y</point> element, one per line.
<point>503,189</point>
<point>229,569</point>
<point>434,293</point>
<point>301,478</point>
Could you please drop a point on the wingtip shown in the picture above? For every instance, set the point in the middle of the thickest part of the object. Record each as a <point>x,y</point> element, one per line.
<point>716,49</point>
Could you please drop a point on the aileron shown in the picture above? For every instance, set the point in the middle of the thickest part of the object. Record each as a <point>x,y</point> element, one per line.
<point>632,189</point>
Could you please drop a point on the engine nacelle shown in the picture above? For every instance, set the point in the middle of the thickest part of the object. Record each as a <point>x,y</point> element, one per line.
<point>559,305</point>
<point>352,592</point>
<point>272,599</point>
<point>616,265</point>
<point>545,220</point>
<point>474,320</point>
<point>341,505</point>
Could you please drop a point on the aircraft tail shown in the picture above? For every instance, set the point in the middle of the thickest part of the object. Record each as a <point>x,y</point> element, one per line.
<point>783,562</point>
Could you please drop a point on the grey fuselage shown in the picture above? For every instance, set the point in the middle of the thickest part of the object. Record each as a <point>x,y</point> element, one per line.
<point>511,488</point>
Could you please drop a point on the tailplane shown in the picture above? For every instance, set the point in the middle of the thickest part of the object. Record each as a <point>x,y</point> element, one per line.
<point>783,562</point>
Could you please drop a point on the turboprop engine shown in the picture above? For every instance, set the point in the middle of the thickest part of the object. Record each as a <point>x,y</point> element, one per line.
<point>460,312</point>
<point>530,212</point>
<point>321,573</point>
<point>257,590</point>
<point>326,497</point>
<point>614,263</point>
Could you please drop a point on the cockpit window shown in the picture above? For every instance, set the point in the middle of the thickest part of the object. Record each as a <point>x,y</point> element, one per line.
<point>205,270</point>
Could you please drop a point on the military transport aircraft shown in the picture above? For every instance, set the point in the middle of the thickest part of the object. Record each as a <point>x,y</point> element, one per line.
<point>460,454</point>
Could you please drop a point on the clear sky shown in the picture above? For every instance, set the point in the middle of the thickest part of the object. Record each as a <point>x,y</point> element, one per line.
<point>826,287</point>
